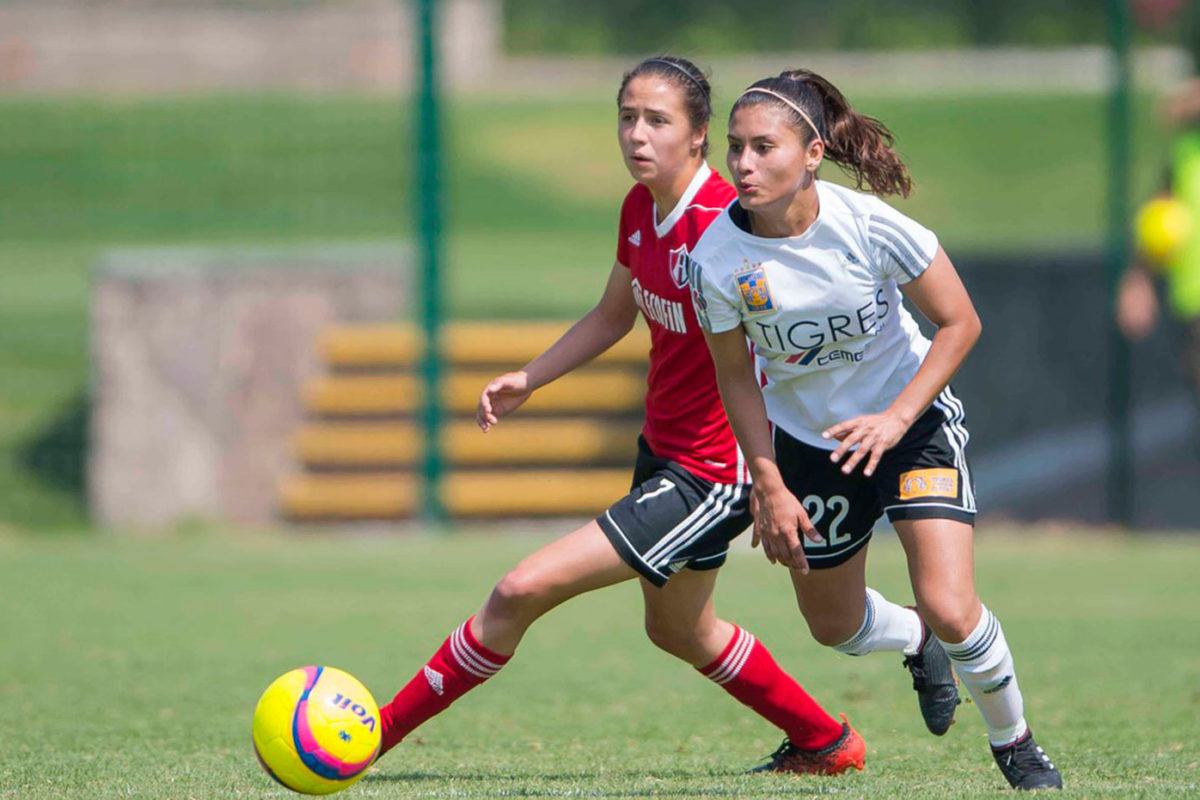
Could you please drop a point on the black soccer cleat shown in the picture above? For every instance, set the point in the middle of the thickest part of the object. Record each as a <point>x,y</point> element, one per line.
<point>1026,766</point>
<point>933,680</point>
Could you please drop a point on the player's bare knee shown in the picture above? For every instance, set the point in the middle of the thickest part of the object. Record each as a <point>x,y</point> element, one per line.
<point>517,594</point>
<point>831,631</point>
<point>661,635</point>
<point>679,641</point>
<point>950,620</point>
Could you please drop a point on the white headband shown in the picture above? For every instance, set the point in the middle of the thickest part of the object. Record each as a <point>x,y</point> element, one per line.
<point>792,105</point>
<point>686,72</point>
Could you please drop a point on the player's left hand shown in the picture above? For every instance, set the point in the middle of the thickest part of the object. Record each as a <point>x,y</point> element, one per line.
<point>872,434</point>
<point>504,394</point>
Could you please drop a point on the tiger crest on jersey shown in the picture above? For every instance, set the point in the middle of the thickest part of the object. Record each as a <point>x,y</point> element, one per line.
<point>756,294</point>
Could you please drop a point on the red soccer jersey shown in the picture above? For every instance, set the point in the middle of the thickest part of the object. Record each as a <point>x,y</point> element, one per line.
<point>685,421</point>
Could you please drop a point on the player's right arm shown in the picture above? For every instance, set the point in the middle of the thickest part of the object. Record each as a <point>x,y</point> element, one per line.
<point>1137,304</point>
<point>598,330</point>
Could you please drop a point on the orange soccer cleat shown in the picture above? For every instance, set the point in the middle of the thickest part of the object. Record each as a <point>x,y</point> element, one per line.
<point>848,751</point>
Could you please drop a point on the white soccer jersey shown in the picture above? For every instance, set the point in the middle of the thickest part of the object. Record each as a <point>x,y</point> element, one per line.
<point>823,309</point>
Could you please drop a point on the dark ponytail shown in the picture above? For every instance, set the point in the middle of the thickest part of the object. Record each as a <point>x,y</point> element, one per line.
<point>684,75</point>
<point>861,145</point>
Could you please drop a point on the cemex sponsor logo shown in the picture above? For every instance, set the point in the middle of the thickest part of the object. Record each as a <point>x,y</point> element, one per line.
<point>804,358</point>
<point>814,356</point>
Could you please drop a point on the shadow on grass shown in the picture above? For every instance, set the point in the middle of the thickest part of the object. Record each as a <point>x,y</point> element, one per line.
<point>57,454</point>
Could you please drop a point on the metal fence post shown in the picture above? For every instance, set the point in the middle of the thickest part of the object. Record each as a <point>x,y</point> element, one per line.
<point>427,202</point>
<point>1120,472</point>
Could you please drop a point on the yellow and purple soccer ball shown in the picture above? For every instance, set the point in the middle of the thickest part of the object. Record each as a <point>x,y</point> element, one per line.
<point>316,730</point>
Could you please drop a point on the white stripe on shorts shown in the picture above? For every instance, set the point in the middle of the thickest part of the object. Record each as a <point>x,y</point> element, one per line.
<point>628,543</point>
<point>965,435</point>
<point>927,505</point>
<point>724,509</point>
<point>677,540</point>
<point>699,512</point>
<point>957,436</point>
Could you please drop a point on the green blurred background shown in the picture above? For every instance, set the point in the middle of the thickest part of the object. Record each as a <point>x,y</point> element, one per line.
<point>534,177</point>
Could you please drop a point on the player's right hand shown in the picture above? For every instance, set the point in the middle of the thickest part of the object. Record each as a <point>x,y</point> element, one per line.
<point>1137,305</point>
<point>503,395</point>
<point>779,521</point>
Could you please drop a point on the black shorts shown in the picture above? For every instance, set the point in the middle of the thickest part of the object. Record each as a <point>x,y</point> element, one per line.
<point>925,476</point>
<point>672,519</point>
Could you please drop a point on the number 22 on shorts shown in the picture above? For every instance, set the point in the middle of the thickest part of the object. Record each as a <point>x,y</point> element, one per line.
<point>816,508</point>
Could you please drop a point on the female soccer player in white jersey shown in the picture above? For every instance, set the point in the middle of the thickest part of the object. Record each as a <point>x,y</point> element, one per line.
<point>863,418</point>
<point>689,496</point>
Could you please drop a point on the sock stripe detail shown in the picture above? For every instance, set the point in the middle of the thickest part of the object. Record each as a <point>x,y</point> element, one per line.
<point>469,640</point>
<point>985,641</point>
<point>865,630</point>
<point>732,664</point>
<point>468,658</point>
<point>737,659</point>
<point>965,652</point>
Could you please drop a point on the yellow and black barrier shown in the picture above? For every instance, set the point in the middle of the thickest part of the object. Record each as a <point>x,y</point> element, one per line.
<point>568,451</point>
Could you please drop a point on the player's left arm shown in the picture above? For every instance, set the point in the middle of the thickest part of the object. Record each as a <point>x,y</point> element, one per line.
<point>940,295</point>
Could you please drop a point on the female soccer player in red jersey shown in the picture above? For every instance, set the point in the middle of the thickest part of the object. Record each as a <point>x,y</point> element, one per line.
<point>863,418</point>
<point>689,495</point>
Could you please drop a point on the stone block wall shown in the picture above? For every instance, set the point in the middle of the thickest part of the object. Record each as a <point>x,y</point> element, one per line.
<point>198,360</point>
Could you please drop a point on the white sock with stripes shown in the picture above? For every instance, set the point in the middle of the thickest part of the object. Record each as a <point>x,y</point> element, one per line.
<point>886,626</point>
<point>985,666</point>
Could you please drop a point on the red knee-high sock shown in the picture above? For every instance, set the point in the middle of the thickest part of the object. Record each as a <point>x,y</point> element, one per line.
<point>459,665</point>
<point>747,671</point>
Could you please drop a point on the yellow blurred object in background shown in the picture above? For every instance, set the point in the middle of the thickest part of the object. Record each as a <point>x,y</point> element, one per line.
<point>1162,227</point>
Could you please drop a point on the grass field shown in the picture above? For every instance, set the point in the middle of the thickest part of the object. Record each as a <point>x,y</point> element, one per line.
<point>131,666</point>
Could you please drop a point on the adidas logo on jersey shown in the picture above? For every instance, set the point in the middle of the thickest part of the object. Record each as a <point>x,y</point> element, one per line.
<point>635,238</point>
<point>435,680</point>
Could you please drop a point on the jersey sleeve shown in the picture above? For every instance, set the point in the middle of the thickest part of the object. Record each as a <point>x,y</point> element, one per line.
<point>715,310</point>
<point>900,248</point>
